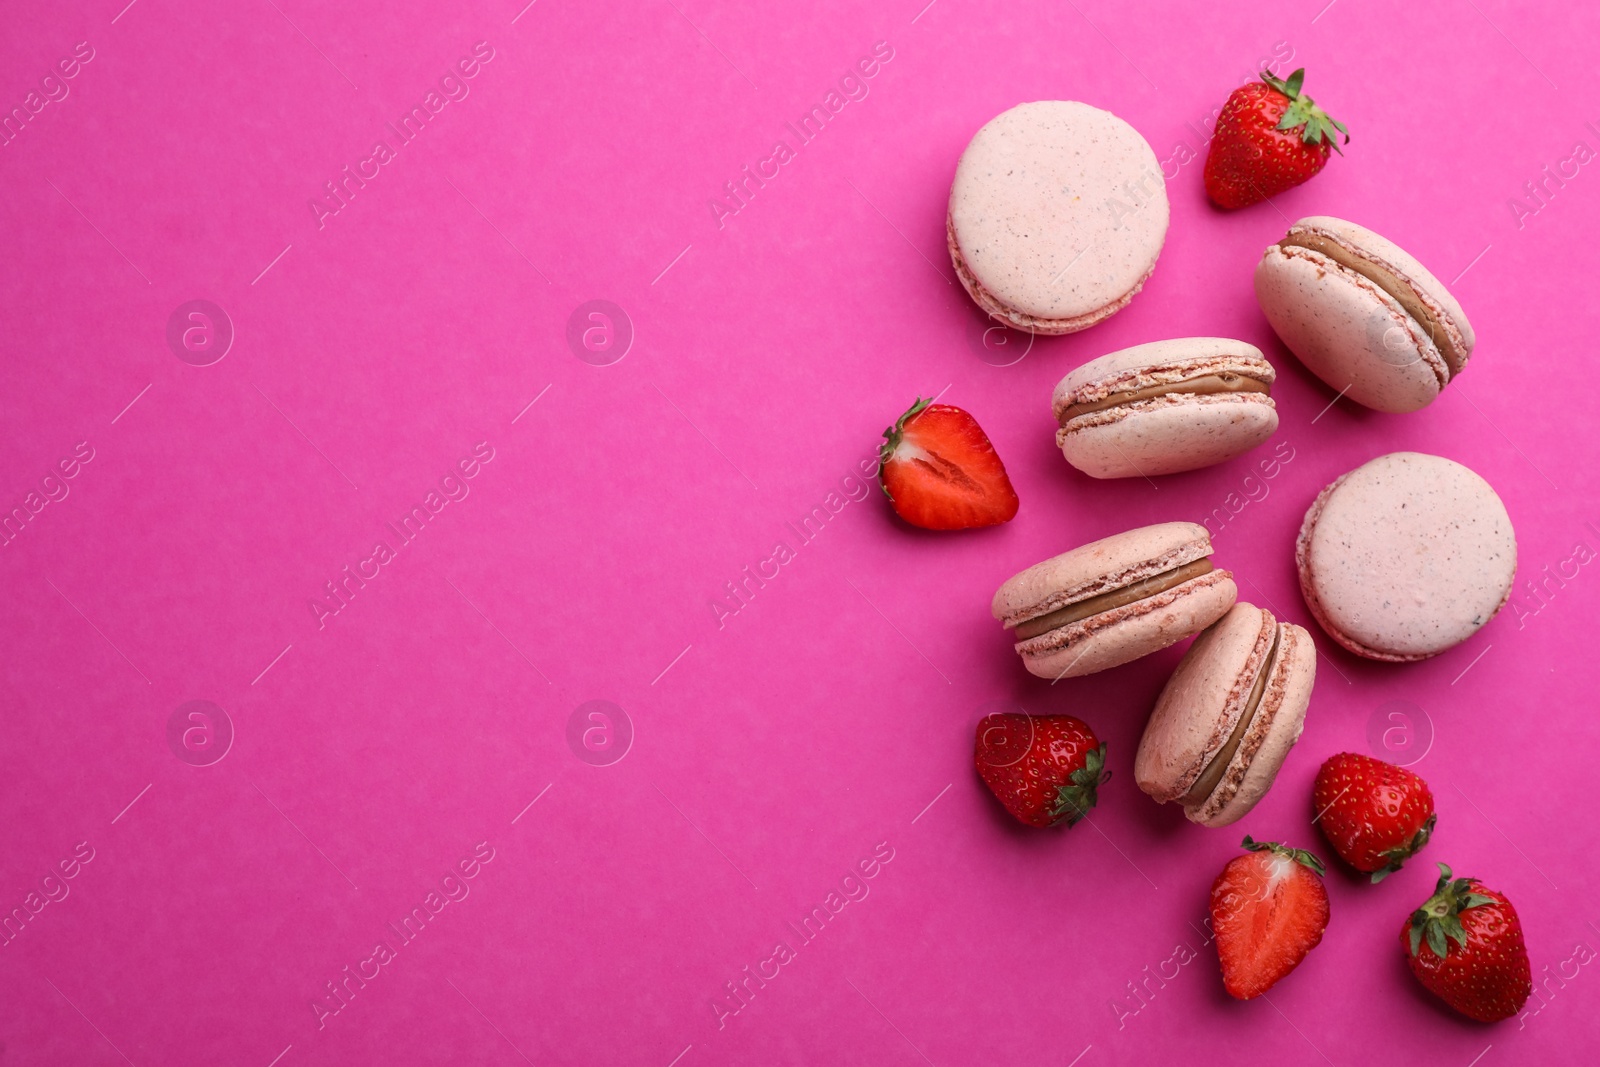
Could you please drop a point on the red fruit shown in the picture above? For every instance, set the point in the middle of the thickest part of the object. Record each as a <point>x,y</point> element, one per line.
<point>1374,814</point>
<point>1043,768</point>
<point>1268,909</point>
<point>1465,946</point>
<point>1268,138</point>
<point>940,471</point>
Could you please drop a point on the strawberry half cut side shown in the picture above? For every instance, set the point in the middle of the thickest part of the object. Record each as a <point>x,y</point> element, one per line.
<point>1268,909</point>
<point>940,472</point>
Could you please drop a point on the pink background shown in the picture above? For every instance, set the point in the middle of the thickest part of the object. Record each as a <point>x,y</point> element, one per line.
<point>833,714</point>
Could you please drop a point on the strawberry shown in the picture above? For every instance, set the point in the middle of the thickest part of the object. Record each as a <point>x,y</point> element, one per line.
<point>1374,814</point>
<point>1268,909</point>
<point>1268,138</point>
<point>1484,975</point>
<point>941,473</point>
<point>1043,768</point>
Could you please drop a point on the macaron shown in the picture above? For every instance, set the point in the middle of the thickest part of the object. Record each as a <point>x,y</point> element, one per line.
<point>1406,556</point>
<point>1362,314</point>
<point>1057,214</point>
<point>1114,600</point>
<point>1228,716</point>
<point>1164,407</point>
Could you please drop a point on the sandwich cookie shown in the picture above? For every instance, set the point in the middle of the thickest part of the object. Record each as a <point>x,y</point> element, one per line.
<point>1114,600</point>
<point>1228,716</point>
<point>1164,407</point>
<point>1362,314</point>
<point>1057,214</point>
<point>1406,556</point>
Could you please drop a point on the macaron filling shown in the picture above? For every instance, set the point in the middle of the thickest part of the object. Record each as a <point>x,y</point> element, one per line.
<point>1212,775</point>
<point>1395,286</point>
<point>1116,598</point>
<point>1204,385</point>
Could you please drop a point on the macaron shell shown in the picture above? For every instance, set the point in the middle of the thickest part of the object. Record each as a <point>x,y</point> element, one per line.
<point>998,310</point>
<point>1168,434</point>
<point>1406,556</point>
<point>1378,247</point>
<point>1202,702</point>
<point>1113,638</point>
<point>1043,215</point>
<point>1277,726</point>
<point>1097,567</point>
<point>1348,331</point>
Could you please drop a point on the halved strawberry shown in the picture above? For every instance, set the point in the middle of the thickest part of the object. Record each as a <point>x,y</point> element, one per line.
<point>940,472</point>
<point>1268,910</point>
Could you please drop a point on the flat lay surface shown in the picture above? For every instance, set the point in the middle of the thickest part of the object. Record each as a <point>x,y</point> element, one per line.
<point>452,617</point>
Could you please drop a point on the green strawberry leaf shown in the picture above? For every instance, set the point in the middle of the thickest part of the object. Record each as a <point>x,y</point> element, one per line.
<point>1316,126</point>
<point>1074,800</point>
<point>1423,834</point>
<point>1396,857</point>
<point>1295,80</point>
<point>1304,857</point>
<point>1438,921</point>
<point>1297,114</point>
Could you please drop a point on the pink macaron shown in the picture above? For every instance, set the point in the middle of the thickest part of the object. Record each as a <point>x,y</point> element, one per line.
<point>1057,214</point>
<point>1164,407</point>
<point>1362,314</point>
<point>1406,556</point>
<point>1228,716</point>
<point>1114,600</point>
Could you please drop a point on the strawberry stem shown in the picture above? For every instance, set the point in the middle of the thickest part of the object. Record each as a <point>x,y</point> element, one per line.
<point>1074,801</point>
<point>1398,856</point>
<point>1316,126</point>
<point>1304,857</point>
<point>1438,921</point>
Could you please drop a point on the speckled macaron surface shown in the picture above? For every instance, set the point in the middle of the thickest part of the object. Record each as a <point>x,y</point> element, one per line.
<point>1057,214</point>
<point>1362,314</point>
<point>1406,556</point>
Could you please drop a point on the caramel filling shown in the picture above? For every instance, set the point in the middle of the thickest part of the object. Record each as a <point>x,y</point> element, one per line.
<point>1209,778</point>
<point>1226,382</point>
<point>1145,587</point>
<point>1390,283</point>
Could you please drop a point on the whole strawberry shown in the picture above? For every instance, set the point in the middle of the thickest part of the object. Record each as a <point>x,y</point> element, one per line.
<point>1268,910</point>
<point>1465,946</point>
<point>940,472</point>
<point>1374,814</point>
<point>1269,138</point>
<point>1045,769</point>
